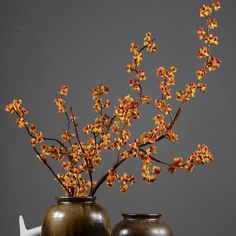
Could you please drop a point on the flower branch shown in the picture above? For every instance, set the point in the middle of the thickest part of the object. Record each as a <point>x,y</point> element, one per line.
<point>78,158</point>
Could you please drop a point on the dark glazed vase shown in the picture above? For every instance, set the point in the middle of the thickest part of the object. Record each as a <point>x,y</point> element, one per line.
<point>141,225</point>
<point>73,216</point>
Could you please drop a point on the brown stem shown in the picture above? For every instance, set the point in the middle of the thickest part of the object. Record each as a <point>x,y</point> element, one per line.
<point>108,129</point>
<point>177,115</point>
<point>171,116</point>
<point>114,167</point>
<point>161,162</point>
<point>46,138</point>
<point>103,178</point>
<point>110,124</point>
<point>76,131</point>
<point>51,170</point>
<point>147,143</point>
<point>81,146</point>
<point>171,125</point>
<point>142,48</point>
<point>68,120</point>
<point>153,158</point>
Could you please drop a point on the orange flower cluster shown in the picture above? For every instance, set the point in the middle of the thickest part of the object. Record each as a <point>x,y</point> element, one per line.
<point>128,109</point>
<point>149,173</point>
<point>201,156</point>
<point>190,91</point>
<point>16,106</point>
<point>97,97</point>
<point>124,180</point>
<point>169,80</point>
<point>78,158</point>
<point>211,63</point>
<point>60,102</point>
<point>163,106</point>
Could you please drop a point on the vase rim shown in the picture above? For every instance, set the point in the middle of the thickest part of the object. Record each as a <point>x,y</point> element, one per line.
<point>68,199</point>
<point>141,215</point>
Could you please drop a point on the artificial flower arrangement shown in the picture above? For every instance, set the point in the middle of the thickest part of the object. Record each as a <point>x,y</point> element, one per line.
<point>78,158</point>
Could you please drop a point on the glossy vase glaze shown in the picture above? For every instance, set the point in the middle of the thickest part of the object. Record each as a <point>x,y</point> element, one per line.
<point>141,225</point>
<point>73,216</point>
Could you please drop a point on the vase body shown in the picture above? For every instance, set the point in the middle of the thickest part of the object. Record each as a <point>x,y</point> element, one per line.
<point>73,216</point>
<point>141,225</point>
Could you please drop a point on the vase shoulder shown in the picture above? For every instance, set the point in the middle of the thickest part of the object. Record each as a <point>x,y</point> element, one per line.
<point>141,225</point>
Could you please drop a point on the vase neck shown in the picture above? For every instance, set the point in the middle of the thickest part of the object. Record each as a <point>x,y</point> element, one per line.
<point>141,216</point>
<point>64,200</point>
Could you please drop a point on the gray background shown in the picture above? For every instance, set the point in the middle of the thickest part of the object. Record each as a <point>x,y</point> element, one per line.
<point>45,44</point>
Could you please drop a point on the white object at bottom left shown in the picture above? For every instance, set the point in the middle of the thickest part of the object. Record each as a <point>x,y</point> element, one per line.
<point>28,232</point>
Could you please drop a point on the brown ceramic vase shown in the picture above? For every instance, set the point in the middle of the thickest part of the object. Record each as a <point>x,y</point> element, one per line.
<point>141,225</point>
<point>73,216</point>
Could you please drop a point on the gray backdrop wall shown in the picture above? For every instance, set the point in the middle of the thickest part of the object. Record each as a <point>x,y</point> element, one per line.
<point>44,44</point>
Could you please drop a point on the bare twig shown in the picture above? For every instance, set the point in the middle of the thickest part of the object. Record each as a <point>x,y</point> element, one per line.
<point>51,170</point>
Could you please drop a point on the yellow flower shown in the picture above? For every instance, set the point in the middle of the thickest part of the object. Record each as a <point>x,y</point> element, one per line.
<point>67,136</point>
<point>134,47</point>
<point>176,164</point>
<point>203,52</point>
<point>117,143</point>
<point>127,109</point>
<point>152,47</point>
<point>201,156</point>
<point>16,106</point>
<point>99,91</point>
<point>165,89</point>
<point>32,129</point>
<point>180,96</point>
<point>212,23</point>
<point>60,105</point>
<point>201,73</point>
<point>163,106</point>
<point>159,120</point>
<point>112,176</point>
<point>147,39</point>
<point>156,170</point>
<point>17,103</point>
<point>216,5</point>
<point>21,122</point>
<point>205,10</point>
<point>141,75</point>
<point>161,71</point>
<point>202,87</point>
<point>188,93</point>
<point>135,85</point>
<point>170,134</point>
<point>201,33</point>
<point>148,175</point>
<point>173,69</point>
<point>130,67</point>
<point>145,99</point>
<point>211,39</point>
<point>10,108</point>
<point>134,148</point>
<point>125,154</point>
<point>37,139</point>
<point>63,90</point>
<point>106,139</point>
<point>137,58</point>
<point>125,135</point>
<point>213,63</point>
